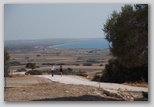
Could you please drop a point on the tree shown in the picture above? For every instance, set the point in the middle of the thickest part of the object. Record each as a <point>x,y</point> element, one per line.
<point>6,63</point>
<point>118,73</point>
<point>31,65</point>
<point>127,32</point>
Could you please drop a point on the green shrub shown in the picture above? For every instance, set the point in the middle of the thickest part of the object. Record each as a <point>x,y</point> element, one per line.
<point>61,64</point>
<point>31,65</point>
<point>77,64</point>
<point>81,72</point>
<point>69,71</point>
<point>87,64</point>
<point>96,78</point>
<point>92,61</point>
<point>118,73</point>
<point>101,65</point>
<point>38,55</point>
<point>48,63</point>
<point>21,70</point>
<point>34,72</point>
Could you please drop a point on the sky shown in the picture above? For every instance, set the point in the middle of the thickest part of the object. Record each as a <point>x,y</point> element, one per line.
<point>44,21</point>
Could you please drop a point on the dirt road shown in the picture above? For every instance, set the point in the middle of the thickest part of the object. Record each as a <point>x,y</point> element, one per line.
<point>67,79</point>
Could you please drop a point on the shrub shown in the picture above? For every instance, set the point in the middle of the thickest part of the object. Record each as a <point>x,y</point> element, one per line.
<point>101,65</point>
<point>69,71</point>
<point>46,71</point>
<point>61,64</point>
<point>93,61</point>
<point>96,78</point>
<point>87,64</point>
<point>34,72</point>
<point>31,65</point>
<point>77,64</point>
<point>21,69</point>
<point>38,55</point>
<point>118,73</point>
<point>82,74</point>
<point>48,63</point>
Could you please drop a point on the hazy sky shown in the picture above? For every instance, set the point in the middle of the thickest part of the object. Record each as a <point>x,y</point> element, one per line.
<point>42,21</point>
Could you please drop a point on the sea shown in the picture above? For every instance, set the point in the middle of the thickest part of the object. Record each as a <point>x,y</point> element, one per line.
<point>90,44</point>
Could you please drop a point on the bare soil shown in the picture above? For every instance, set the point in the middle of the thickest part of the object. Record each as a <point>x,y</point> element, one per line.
<point>30,88</point>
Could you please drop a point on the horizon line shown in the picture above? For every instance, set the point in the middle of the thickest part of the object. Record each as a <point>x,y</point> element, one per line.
<point>52,38</point>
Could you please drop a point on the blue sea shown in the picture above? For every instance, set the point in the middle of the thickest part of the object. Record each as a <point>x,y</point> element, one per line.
<point>90,44</point>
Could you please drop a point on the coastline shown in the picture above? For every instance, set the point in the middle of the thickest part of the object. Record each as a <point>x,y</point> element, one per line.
<point>54,46</point>
<point>88,44</point>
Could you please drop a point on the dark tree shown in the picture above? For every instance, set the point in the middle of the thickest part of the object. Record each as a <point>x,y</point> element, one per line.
<point>31,65</point>
<point>6,63</point>
<point>127,32</point>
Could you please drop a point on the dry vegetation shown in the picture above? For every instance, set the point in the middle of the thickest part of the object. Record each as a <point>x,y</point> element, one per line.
<point>138,84</point>
<point>72,58</point>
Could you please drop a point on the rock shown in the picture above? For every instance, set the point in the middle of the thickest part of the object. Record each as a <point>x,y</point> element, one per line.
<point>112,93</point>
<point>67,91</point>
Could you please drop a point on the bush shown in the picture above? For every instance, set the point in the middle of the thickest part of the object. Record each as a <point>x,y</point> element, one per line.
<point>82,74</point>
<point>69,71</point>
<point>31,65</point>
<point>77,64</point>
<point>87,64</point>
<point>96,78</point>
<point>92,61</point>
<point>46,71</point>
<point>61,64</point>
<point>38,55</point>
<point>101,65</point>
<point>118,73</point>
<point>48,63</point>
<point>34,72</point>
<point>21,70</point>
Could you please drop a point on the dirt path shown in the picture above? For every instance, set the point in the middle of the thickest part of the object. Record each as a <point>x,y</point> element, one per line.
<point>67,79</point>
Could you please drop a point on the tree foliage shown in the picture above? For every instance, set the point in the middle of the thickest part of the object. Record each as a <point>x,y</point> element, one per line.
<point>118,73</point>
<point>31,65</point>
<point>6,63</point>
<point>127,31</point>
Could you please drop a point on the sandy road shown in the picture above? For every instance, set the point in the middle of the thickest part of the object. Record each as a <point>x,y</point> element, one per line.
<point>67,79</point>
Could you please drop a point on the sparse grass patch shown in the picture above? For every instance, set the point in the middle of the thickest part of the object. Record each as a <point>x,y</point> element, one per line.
<point>137,84</point>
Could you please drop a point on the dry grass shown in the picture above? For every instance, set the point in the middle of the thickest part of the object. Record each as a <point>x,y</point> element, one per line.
<point>137,84</point>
